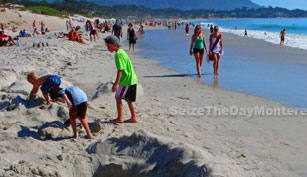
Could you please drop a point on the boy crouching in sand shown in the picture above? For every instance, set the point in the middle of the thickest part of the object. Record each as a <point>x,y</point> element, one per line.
<point>76,101</point>
<point>126,81</point>
<point>45,83</point>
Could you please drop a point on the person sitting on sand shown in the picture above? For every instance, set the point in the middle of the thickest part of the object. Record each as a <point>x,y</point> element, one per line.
<point>2,26</point>
<point>45,83</point>
<point>22,33</point>
<point>73,35</point>
<point>6,40</point>
<point>76,101</point>
<point>126,81</point>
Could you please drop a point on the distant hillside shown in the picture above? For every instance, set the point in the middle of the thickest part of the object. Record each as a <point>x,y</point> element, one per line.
<point>183,4</point>
<point>179,4</point>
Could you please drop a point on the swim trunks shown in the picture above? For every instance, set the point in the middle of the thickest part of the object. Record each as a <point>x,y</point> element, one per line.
<point>127,93</point>
<point>93,32</point>
<point>79,110</point>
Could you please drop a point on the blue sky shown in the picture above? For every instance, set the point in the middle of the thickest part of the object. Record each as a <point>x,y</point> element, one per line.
<point>289,4</point>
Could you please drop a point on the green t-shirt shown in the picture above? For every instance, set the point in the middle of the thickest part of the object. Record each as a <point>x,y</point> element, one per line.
<point>123,63</point>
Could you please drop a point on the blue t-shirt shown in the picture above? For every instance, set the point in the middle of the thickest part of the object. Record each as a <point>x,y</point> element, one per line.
<point>77,95</point>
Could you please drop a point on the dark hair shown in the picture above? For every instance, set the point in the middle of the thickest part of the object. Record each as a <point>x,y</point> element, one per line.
<point>54,93</point>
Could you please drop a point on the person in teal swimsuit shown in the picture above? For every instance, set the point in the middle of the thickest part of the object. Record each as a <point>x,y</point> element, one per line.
<point>198,44</point>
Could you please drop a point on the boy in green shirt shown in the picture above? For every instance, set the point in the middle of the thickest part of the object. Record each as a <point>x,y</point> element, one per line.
<point>126,81</point>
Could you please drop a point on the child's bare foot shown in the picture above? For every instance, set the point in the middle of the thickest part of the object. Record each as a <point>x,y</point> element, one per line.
<point>116,121</point>
<point>216,73</point>
<point>132,120</point>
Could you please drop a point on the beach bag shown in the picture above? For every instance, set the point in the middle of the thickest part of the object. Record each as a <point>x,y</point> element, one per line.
<point>214,45</point>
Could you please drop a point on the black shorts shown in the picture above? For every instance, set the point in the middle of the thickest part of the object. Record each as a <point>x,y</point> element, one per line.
<point>127,93</point>
<point>78,111</point>
<point>132,40</point>
<point>200,51</point>
<point>93,32</point>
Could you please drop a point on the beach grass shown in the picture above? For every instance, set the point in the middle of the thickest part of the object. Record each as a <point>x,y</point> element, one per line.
<point>45,10</point>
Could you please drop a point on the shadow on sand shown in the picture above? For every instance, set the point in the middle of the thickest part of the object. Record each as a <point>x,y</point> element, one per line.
<point>178,75</point>
<point>39,134</point>
<point>17,101</point>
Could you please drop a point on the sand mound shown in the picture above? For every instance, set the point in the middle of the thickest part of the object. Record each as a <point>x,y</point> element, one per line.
<point>143,154</point>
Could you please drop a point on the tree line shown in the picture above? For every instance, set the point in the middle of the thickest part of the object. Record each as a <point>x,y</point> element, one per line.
<point>83,7</point>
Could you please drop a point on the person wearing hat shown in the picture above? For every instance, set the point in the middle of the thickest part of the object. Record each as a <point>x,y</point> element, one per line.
<point>126,81</point>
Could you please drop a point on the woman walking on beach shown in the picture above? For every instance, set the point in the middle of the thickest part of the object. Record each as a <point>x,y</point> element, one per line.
<point>198,43</point>
<point>131,36</point>
<point>216,48</point>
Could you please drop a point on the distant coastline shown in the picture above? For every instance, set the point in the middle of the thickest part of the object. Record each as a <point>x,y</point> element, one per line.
<point>136,12</point>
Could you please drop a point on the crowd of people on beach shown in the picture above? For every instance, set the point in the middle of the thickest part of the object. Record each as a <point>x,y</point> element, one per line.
<point>125,86</point>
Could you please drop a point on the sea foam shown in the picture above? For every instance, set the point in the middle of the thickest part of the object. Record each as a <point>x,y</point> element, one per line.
<point>291,40</point>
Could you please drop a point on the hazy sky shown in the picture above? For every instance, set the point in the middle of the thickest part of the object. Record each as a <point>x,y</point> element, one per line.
<point>289,4</point>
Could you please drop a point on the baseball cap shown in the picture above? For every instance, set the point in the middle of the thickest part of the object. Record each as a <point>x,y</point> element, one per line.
<point>111,40</point>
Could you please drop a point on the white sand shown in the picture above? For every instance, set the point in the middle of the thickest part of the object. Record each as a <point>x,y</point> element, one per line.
<point>161,144</point>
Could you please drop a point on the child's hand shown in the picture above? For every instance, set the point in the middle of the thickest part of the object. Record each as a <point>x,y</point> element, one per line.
<point>69,105</point>
<point>114,88</point>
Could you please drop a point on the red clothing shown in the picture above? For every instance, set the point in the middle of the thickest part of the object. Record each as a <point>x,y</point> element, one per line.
<point>71,36</point>
<point>3,36</point>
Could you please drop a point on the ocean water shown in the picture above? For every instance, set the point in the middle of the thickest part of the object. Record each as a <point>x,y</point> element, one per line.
<point>296,29</point>
<point>283,81</point>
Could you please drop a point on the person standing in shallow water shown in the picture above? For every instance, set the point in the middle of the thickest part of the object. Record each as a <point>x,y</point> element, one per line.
<point>131,36</point>
<point>282,36</point>
<point>198,43</point>
<point>187,29</point>
<point>216,48</point>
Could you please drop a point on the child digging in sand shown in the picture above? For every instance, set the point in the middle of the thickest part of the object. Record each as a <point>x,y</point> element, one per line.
<point>76,101</point>
<point>45,83</point>
<point>126,81</point>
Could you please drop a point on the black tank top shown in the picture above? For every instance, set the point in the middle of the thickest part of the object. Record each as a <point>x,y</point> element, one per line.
<point>131,34</point>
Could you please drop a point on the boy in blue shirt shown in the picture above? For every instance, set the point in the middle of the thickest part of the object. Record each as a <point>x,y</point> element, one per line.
<point>77,103</point>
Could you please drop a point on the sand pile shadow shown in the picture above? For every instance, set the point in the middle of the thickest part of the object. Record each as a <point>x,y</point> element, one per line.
<point>146,155</point>
<point>12,103</point>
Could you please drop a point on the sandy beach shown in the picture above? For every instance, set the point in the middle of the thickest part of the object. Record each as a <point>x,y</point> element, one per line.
<point>175,136</point>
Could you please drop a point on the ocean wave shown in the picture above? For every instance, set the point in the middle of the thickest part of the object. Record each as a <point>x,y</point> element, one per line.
<point>278,27</point>
<point>291,40</point>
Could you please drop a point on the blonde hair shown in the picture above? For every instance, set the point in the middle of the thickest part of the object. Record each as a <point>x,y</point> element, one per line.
<point>32,76</point>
